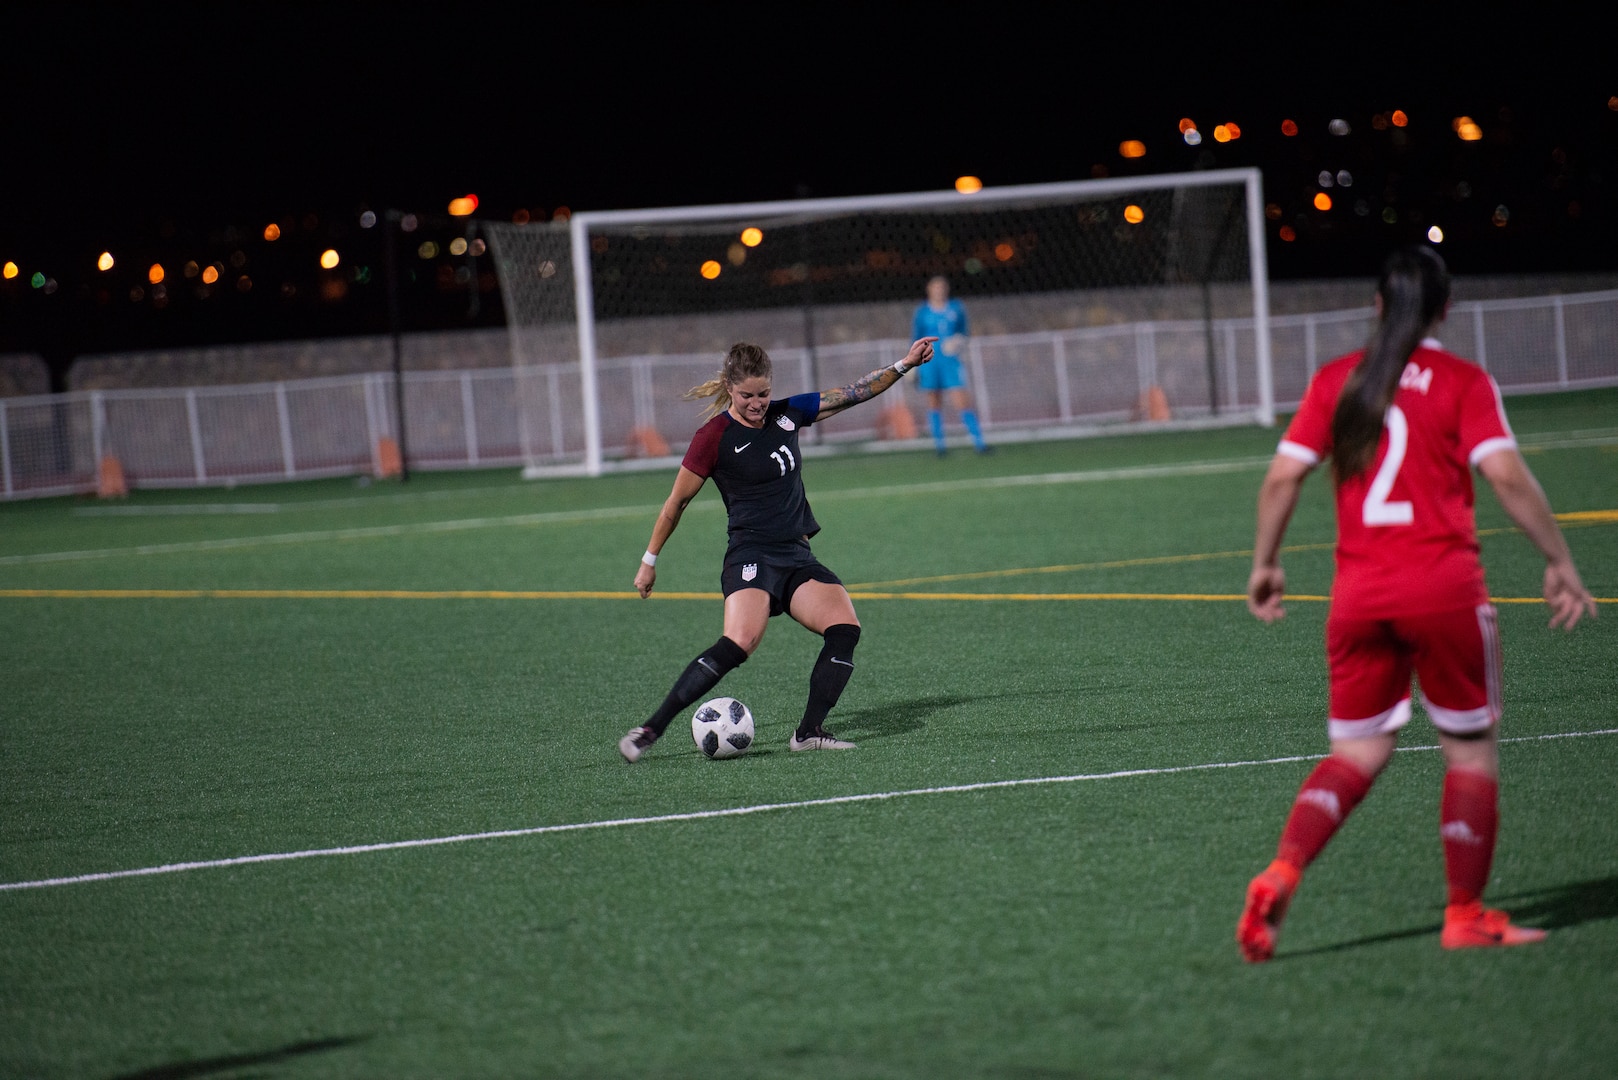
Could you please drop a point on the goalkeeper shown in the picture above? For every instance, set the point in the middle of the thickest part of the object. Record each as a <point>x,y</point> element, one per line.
<point>945,319</point>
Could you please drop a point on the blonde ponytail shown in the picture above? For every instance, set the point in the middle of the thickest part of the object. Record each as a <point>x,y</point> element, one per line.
<point>743,361</point>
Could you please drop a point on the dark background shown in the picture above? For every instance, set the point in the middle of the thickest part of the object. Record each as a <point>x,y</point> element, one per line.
<point>176,133</point>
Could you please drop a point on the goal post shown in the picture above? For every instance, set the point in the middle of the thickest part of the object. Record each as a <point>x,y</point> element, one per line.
<point>1132,301</point>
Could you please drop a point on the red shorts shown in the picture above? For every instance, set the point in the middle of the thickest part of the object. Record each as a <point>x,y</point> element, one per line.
<point>1455,655</point>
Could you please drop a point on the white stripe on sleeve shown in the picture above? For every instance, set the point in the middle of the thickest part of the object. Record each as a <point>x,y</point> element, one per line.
<point>1489,446</point>
<point>1298,452</point>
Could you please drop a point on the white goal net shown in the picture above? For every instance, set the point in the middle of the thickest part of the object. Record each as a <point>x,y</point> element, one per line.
<point>1130,301</point>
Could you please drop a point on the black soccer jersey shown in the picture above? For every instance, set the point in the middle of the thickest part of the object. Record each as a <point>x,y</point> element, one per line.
<point>759,470</point>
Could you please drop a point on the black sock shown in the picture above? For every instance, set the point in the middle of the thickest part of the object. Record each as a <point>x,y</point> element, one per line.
<point>700,676</point>
<point>831,673</point>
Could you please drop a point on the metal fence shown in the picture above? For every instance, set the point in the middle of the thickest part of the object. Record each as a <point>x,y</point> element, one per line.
<point>1042,385</point>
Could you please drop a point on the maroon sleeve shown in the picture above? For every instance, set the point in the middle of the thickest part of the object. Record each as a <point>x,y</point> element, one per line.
<point>703,452</point>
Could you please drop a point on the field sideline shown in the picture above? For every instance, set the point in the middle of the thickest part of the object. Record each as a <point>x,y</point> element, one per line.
<point>321,780</point>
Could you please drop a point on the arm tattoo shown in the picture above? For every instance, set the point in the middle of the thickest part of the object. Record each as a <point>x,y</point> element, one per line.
<point>862,389</point>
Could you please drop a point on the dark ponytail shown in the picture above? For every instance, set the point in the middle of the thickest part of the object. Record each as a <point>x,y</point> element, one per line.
<point>1414,290</point>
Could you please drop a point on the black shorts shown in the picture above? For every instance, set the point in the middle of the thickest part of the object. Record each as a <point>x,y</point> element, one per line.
<point>778,569</point>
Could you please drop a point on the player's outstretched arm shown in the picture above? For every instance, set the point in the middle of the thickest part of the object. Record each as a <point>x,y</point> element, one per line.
<point>1277,498</point>
<point>1524,501</point>
<point>686,486</point>
<point>869,386</point>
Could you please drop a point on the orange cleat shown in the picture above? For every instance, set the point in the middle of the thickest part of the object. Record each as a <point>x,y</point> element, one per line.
<point>1267,898</point>
<point>1472,926</point>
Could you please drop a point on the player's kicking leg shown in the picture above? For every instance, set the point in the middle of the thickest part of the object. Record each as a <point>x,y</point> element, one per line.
<point>699,677</point>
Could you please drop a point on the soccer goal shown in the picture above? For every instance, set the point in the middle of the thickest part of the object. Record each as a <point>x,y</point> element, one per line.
<point>1133,302</point>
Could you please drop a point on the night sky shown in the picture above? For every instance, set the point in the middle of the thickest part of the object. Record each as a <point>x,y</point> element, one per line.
<point>177,131</point>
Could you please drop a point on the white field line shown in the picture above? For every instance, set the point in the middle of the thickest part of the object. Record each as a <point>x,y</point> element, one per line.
<point>703,815</point>
<point>563,517</point>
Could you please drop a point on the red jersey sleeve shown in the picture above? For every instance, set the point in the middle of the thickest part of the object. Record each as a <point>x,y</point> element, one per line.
<point>703,452</point>
<point>1483,428</point>
<point>1308,436</point>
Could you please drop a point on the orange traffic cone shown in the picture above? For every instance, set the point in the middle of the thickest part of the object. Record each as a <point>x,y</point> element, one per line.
<point>897,423</point>
<point>110,483</point>
<point>646,442</point>
<point>388,461</point>
<point>1153,405</point>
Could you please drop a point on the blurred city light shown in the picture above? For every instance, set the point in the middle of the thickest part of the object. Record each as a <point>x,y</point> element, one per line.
<point>1289,128</point>
<point>1226,133</point>
<point>1467,128</point>
<point>155,274</point>
<point>1134,214</point>
<point>1322,201</point>
<point>710,269</point>
<point>463,206</point>
<point>329,259</point>
<point>367,219</point>
<point>968,185</point>
<point>1187,124</point>
<point>477,247</point>
<point>428,250</point>
<point>1288,234</point>
<point>1501,216</point>
<point>102,263</point>
<point>190,269</point>
<point>1132,148</point>
<point>9,271</point>
<point>520,216</point>
<point>272,231</point>
<point>210,274</point>
<point>1004,251</point>
<point>38,280</point>
<point>1324,179</point>
<point>752,237</point>
<point>1339,127</point>
<point>1192,137</point>
<point>1399,118</point>
<point>1345,178</point>
<point>1435,234</point>
<point>457,246</point>
<point>736,253</point>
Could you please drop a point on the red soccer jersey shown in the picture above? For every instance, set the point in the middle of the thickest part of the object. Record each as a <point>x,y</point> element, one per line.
<point>1406,536</point>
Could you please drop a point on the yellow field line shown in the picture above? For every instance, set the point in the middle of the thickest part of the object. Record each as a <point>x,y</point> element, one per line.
<point>1574,518</point>
<point>502,594</point>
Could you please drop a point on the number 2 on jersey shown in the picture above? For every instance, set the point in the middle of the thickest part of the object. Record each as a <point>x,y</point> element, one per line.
<point>789,462</point>
<point>1377,510</point>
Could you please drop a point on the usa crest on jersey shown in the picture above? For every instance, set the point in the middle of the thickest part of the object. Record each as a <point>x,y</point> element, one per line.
<point>750,571</point>
<point>786,422</point>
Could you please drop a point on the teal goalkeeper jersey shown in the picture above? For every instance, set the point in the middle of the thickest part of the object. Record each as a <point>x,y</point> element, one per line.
<point>942,325</point>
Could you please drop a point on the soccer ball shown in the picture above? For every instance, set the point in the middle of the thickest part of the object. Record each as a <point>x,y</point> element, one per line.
<point>722,728</point>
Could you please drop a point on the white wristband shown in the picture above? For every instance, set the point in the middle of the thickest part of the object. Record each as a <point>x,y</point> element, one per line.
<point>649,559</point>
<point>900,367</point>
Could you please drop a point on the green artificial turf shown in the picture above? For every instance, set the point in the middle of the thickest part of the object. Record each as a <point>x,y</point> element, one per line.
<point>1081,927</point>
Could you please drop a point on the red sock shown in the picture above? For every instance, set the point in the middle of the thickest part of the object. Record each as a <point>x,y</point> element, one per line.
<point>1332,791</point>
<point>1469,816</point>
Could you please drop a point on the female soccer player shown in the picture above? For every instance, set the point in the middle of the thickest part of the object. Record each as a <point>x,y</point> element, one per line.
<point>750,448</point>
<point>1403,422</point>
